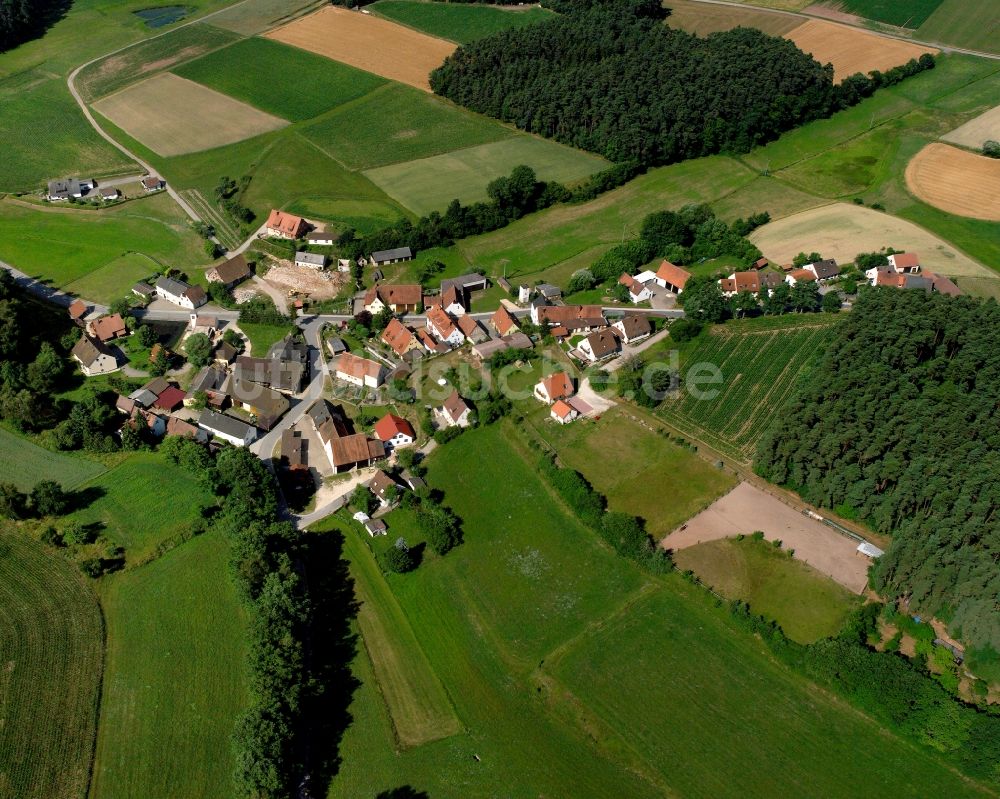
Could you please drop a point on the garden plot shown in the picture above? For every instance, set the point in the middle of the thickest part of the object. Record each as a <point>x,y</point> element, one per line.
<point>173,116</point>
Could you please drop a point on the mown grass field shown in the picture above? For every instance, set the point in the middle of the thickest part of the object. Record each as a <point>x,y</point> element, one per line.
<point>281,80</point>
<point>429,184</point>
<point>262,336</point>
<point>639,472</point>
<point>39,241</point>
<point>773,583</point>
<point>174,680</point>
<point>399,123</point>
<point>971,25</point>
<point>456,22</point>
<point>901,13</point>
<point>143,502</point>
<point>648,691</point>
<point>24,464</point>
<point>757,368</point>
<point>52,643</point>
<point>107,283</point>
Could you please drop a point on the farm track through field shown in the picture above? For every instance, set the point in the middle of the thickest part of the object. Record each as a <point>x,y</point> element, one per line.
<point>227,234</point>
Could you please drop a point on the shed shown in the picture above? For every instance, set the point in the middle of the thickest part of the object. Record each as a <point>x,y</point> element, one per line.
<point>870,550</point>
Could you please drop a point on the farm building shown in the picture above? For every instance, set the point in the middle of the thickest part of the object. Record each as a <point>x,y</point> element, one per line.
<point>153,183</point>
<point>336,345</point>
<point>870,550</point>
<point>69,187</point>
<point>321,238</point>
<point>632,327</point>
<point>143,290</point>
<point>359,371</point>
<point>672,277</point>
<point>637,292</point>
<point>285,226</point>
<point>230,273</point>
<point>235,432</point>
<point>399,298</point>
<point>311,260</point>
<point>344,449</point>
<point>180,293</point>
<point>170,399</point>
<point>574,318</point>
<point>94,358</point>
<point>394,431</point>
<point>211,381</point>
<point>548,291</point>
<point>394,256</point>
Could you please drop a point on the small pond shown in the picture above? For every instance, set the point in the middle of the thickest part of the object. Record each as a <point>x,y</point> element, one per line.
<point>162,15</point>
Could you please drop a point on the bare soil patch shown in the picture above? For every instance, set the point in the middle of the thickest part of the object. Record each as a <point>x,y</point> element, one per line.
<point>320,285</point>
<point>173,116</point>
<point>976,131</point>
<point>842,231</point>
<point>851,50</point>
<point>369,43</point>
<point>703,18</point>
<point>747,509</point>
<point>956,181</point>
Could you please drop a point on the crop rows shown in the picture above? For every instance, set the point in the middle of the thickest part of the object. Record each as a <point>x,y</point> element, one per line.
<point>759,371</point>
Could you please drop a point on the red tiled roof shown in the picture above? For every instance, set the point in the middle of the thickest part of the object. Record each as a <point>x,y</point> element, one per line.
<point>109,327</point>
<point>399,337</point>
<point>906,260</point>
<point>558,385</point>
<point>562,409</point>
<point>77,309</point>
<point>672,274</point>
<point>503,321</point>
<point>287,224</point>
<point>391,425</point>
<point>358,367</point>
<point>802,275</point>
<point>170,398</point>
<point>441,321</point>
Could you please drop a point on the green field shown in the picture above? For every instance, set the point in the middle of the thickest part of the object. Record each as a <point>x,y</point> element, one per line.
<point>758,366</point>
<point>37,240</point>
<point>651,477</point>
<point>774,585</point>
<point>575,674</point>
<point>263,336</point>
<point>901,13</point>
<point>285,81</point>
<point>143,502</point>
<point>398,123</point>
<point>256,16</point>
<point>429,184</point>
<point>24,464</point>
<point>51,638</point>
<point>107,283</point>
<point>972,25</point>
<point>457,22</point>
<point>174,680</point>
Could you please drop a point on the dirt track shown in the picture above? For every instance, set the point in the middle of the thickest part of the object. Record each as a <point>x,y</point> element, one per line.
<point>746,509</point>
<point>956,181</point>
<point>369,43</point>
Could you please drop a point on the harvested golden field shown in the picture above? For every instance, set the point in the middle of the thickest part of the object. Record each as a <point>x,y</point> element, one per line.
<point>851,50</point>
<point>842,231</point>
<point>704,18</point>
<point>956,181</point>
<point>974,132</point>
<point>369,43</point>
<point>173,116</point>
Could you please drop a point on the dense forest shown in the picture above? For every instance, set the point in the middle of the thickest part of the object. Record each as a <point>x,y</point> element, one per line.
<point>20,20</point>
<point>898,426</point>
<point>608,76</point>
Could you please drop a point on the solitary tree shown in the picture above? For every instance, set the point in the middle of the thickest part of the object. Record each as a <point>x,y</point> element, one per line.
<point>146,336</point>
<point>49,499</point>
<point>199,349</point>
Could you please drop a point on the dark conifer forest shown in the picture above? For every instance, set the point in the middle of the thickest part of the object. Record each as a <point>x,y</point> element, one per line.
<point>20,20</point>
<point>899,425</point>
<point>610,77</point>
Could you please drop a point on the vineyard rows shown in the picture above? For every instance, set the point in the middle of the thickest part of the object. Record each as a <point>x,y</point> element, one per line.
<point>759,371</point>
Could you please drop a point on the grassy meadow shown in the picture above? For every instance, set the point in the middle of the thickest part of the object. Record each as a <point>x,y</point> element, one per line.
<point>174,681</point>
<point>52,640</point>
<point>262,336</point>
<point>774,585</point>
<point>971,25</point>
<point>901,13</point>
<point>456,22</point>
<point>24,464</point>
<point>142,503</point>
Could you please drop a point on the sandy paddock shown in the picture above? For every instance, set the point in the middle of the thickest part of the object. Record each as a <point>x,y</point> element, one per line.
<point>747,509</point>
<point>956,181</point>
<point>851,50</point>
<point>841,231</point>
<point>369,43</point>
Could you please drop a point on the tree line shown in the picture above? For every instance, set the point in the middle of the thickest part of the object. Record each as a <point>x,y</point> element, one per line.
<point>609,77</point>
<point>897,426</point>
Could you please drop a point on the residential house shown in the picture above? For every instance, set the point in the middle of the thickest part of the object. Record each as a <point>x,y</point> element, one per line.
<point>599,345</point>
<point>452,299</point>
<point>280,225</point>
<point>225,353</point>
<point>394,256</point>
<point>310,260</point>
<point>439,324</point>
<point>69,187</point>
<point>398,297</point>
<point>554,387</point>
<point>503,322</point>
<point>180,293</point>
<point>905,263</point>
<point>107,328</point>
<point>212,381</point>
<point>359,371</point>
<point>637,292</point>
<point>429,343</point>
<point>153,183</point>
<point>266,404</point>
<point>109,193</point>
<point>224,427</point>
<point>739,282</point>
<point>179,427</point>
<point>322,238</point>
<point>230,273</point>
<point>455,412</point>
<point>281,375</point>
<point>394,432</point>
<point>375,527</point>
<point>94,358</point>
<point>294,450</point>
<point>563,412</point>
<point>472,330</point>
<point>345,449</point>
<point>574,318</point>
<point>77,310</point>
<point>672,277</point>
<point>824,270</point>
<point>384,488</point>
<point>170,399</point>
<point>399,338</point>
<point>769,281</point>
<point>799,276</point>
<point>632,327</point>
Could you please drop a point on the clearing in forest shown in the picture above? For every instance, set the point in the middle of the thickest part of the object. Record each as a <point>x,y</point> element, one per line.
<point>369,43</point>
<point>173,116</point>
<point>956,181</point>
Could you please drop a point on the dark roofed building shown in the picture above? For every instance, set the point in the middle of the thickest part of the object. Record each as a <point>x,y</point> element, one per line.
<point>382,257</point>
<point>230,272</point>
<point>294,450</point>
